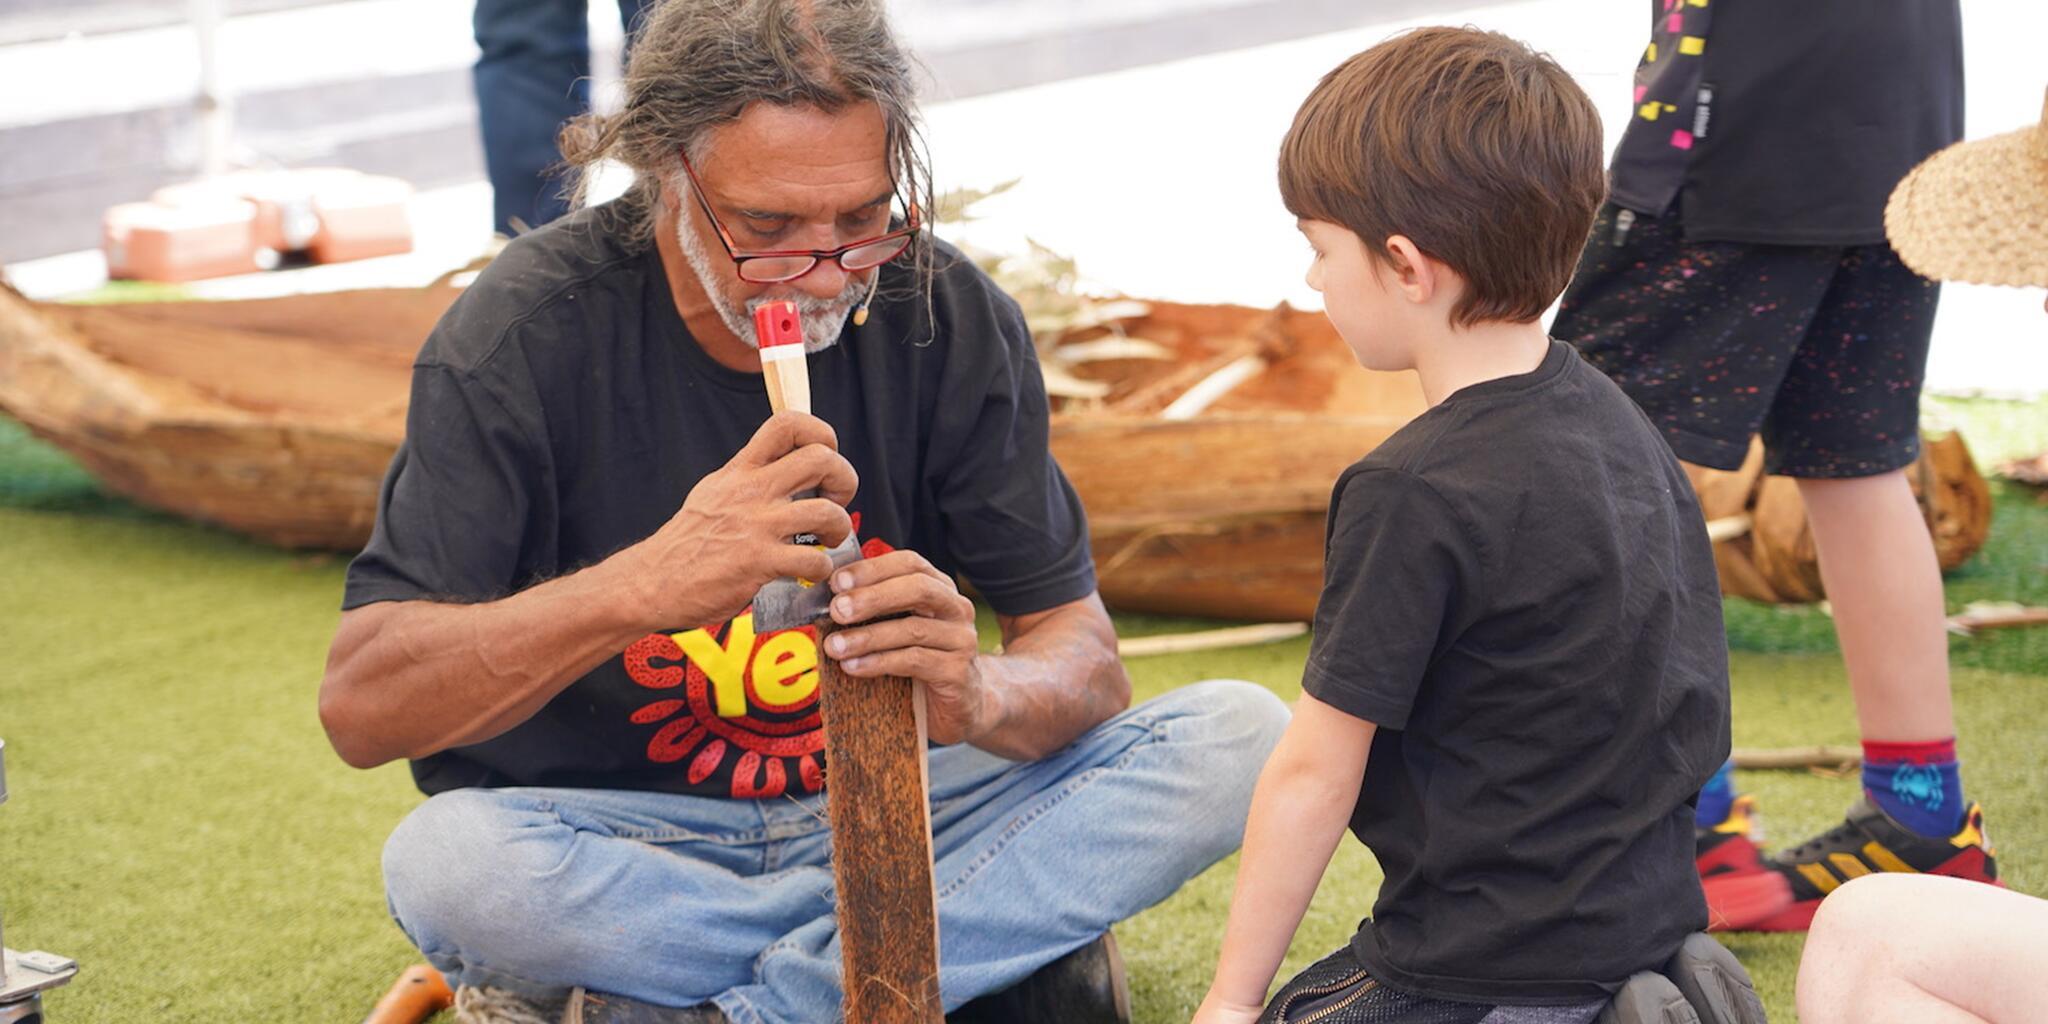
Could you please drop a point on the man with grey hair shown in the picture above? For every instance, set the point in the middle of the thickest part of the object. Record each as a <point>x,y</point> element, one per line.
<point>626,813</point>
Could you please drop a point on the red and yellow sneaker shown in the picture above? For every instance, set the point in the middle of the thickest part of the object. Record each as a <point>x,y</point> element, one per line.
<point>1869,841</point>
<point>1729,847</point>
<point>1738,884</point>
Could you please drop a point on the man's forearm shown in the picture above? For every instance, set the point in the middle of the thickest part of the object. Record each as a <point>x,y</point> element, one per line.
<point>408,679</point>
<point>1058,677</point>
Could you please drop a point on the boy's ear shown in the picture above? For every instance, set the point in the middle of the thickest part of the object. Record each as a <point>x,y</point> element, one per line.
<point>1417,276</point>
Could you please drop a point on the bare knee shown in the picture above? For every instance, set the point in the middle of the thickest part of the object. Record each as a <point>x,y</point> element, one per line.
<point>1847,952</point>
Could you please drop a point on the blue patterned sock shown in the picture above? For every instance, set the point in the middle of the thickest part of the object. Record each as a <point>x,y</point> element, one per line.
<point>1716,797</point>
<point>1919,784</point>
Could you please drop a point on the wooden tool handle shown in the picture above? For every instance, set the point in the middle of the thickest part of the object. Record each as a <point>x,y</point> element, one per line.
<point>788,376</point>
<point>419,993</point>
<point>878,795</point>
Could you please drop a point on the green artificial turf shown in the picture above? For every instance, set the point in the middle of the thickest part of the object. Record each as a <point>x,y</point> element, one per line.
<point>178,824</point>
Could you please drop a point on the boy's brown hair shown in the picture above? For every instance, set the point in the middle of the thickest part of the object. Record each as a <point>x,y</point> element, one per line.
<point>1482,151</point>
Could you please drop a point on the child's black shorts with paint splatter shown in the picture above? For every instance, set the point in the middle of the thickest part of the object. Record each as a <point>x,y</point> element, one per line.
<point>1821,349</point>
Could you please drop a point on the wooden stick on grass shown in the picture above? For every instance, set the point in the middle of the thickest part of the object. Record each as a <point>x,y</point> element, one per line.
<point>1829,757</point>
<point>1987,615</point>
<point>1209,639</point>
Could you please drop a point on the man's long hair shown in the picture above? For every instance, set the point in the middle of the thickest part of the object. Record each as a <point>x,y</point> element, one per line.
<point>697,64</point>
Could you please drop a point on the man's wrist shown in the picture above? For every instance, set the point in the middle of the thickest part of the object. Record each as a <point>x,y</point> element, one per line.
<point>990,710</point>
<point>621,590</point>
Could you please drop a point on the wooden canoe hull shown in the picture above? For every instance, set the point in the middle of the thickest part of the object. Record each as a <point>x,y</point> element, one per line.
<point>258,429</point>
<point>1219,516</point>
<point>1266,567</point>
<point>277,419</point>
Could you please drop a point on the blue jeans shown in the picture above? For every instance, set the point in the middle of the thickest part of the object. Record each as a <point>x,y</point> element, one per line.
<point>680,900</point>
<point>532,75</point>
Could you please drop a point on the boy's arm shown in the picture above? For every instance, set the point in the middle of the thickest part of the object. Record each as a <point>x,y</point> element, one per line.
<point>1299,813</point>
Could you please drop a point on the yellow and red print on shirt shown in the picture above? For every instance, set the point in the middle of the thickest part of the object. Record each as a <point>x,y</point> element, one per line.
<point>743,706</point>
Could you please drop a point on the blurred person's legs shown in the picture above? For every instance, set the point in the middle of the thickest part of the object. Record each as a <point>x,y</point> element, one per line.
<point>1921,948</point>
<point>532,75</point>
<point>1878,563</point>
<point>1821,350</point>
<point>1845,424</point>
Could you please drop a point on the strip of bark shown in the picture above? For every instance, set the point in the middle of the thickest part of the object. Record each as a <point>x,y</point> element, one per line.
<point>878,794</point>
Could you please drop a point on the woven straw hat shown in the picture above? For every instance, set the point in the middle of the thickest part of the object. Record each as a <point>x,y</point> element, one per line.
<point>1977,211</point>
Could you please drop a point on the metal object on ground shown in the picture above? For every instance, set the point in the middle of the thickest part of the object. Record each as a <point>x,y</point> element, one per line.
<point>24,977</point>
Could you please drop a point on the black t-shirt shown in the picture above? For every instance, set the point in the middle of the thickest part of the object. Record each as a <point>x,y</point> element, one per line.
<point>561,411</point>
<point>1519,592</point>
<point>1788,121</point>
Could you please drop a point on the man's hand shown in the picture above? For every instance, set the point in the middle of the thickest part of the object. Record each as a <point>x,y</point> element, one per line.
<point>1217,1011</point>
<point>732,534</point>
<point>934,642</point>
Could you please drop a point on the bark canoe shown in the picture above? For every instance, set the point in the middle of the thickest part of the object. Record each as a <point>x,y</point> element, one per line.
<point>276,418</point>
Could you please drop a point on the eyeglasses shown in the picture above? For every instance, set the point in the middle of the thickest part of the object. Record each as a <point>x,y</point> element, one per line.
<point>776,265</point>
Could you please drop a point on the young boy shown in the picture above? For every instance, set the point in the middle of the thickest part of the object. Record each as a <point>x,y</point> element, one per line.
<point>1519,678</point>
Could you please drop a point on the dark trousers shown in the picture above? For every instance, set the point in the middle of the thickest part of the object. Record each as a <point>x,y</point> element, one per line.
<point>532,76</point>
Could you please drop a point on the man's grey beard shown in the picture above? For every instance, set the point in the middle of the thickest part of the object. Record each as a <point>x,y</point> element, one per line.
<point>824,319</point>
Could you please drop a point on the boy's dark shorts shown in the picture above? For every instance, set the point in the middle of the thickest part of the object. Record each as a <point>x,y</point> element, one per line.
<point>1821,349</point>
<point>1337,990</point>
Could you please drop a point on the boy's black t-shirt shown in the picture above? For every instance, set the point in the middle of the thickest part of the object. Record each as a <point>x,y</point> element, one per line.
<point>561,411</point>
<point>1788,122</point>
<point>1519,592</point>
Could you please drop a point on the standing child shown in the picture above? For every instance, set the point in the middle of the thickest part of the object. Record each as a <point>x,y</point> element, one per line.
<point>1920,946</point>
<point>1739,283</point>
<point>1519,678</point>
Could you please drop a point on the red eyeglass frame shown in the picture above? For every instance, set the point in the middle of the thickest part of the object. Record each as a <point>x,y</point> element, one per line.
<point>740,259</point>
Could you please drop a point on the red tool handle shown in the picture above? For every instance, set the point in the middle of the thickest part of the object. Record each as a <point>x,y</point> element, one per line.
<point>777,323</point>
